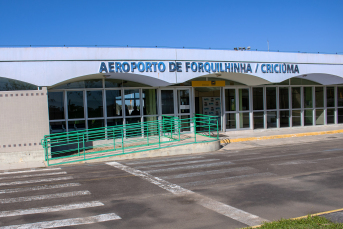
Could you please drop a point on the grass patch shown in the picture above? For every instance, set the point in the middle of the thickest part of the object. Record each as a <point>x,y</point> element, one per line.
<point>308,222</point>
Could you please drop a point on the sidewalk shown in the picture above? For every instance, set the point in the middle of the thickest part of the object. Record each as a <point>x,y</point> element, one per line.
<point>22,165</point>
<point>266,134</point>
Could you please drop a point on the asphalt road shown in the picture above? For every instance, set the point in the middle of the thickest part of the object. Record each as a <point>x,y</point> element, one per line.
<point>222,189</point>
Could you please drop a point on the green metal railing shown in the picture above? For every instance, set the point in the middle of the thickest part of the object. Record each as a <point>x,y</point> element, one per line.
<point>74,146</point>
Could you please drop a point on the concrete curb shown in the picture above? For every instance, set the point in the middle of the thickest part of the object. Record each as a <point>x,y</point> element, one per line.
<point>223,141</point>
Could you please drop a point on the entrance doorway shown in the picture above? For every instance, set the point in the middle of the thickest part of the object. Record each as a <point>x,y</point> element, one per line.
<point>208,102</point>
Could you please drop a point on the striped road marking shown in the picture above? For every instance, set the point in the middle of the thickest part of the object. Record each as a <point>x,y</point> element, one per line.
<point>212,181</point>
<point>229,211</point>
<point>56,208</point>
<point>176,163</point>
<point>39,188</point>
<point>191,167</point>
<point>163,160</point>
<point>44,197</point>
<point>36,181</point>
<point>68,222</point>
<point>30,171</point>
<point>34,175</point>
<point>184,175</point>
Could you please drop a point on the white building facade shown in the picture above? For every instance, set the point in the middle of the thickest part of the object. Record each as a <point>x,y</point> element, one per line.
<point>51,90</point>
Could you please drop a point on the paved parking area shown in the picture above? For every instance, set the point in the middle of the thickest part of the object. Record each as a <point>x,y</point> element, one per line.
<point>229,188</point>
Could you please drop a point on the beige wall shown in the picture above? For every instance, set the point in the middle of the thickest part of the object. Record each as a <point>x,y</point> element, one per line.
<point>24,120</point>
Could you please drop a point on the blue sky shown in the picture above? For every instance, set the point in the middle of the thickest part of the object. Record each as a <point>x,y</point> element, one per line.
<point>305,26</point>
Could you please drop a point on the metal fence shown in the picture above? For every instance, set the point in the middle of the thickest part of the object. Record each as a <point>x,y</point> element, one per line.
<point>88,144</point>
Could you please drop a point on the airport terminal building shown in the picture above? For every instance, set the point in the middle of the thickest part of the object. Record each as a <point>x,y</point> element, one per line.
<point>60,89</point>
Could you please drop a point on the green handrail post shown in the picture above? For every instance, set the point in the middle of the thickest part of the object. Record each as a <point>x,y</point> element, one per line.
<point>147,133</point>
<point>78,144</point>
<point>217,130</point>
<point>159,135</point>
<point>171,128</point>
<point>179,127</point>
<point>84,148</point>
<point>114,140</point>
<point>122,140</point>
<point>195,129</point>
<point>209,127</point>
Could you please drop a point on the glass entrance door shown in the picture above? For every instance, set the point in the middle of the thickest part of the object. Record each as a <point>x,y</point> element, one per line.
<point>184,108</point>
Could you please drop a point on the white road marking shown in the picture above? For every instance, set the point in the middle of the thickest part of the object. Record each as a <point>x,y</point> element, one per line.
<point>333,150</point>
<point>229,211</point>
<point>300,162</point>
<point>191,167</point>
<point>36,181</point>
<point>34,175</point>
<point>39,188</point>
<point>44,197</point>
<point>30,171</point>
<point>212,181</point>
<point>163,160</point>
<point>68,222</point>
<point>184,175</point>
<point>55,208</point>
<point>176,163</point>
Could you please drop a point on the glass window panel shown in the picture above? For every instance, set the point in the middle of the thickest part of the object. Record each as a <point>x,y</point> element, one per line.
<point>244,120</point>
<point>300,81</point>
<point>340,115</point>
<point>95,123</point>
<point>114,122</point>
<point>284,118</point>
<point>231,121</point>
<point>296,97</point>
<point>319,117</point>
<point>243,99</point>
<point>133,84</point>
<point>57,127</point>
<point>149,101</point>
<point>151,126</point>
<point>319,93</point>
<point>258,98</point>
<point>113,83</point>
<point>56,105</point>
<point>330,97</point>
<point>271,119</point>
<point>132,102</point>
<point>271,98</point>
<point>308,100</point>
<point>183,96</point>
<point>340,96</point>
<point>296,118</point>
<point>15,85</point>
<point>75,104</point>
<point>76,125</point>
<point>94,104</point>
<point>285,82</point>
<point>308,118</point>
<point>113,103</point>
<point>258,120</point>
<point>330,117</point>
<point>133,127</point>
<point>95,83</point>
<point>230,100</point>
<point>167,101</point>
<point>73,85</point>
<point>283,98</point>
<point>185,123</point>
